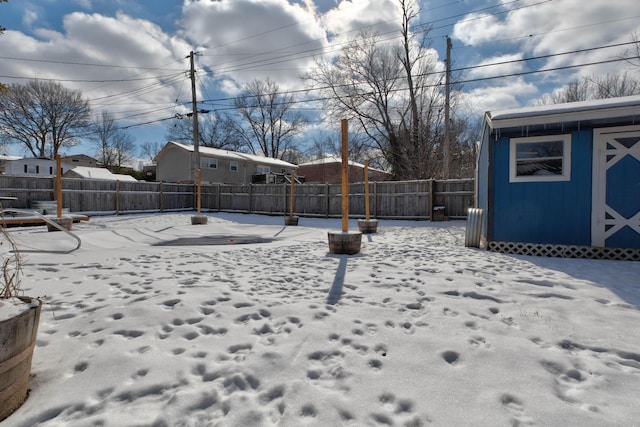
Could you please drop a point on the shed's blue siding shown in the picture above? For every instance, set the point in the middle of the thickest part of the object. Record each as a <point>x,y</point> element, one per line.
<point>544,212</point>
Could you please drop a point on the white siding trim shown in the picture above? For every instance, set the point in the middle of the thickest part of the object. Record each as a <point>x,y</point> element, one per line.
<point>599,206</point>
<point>566,159</point>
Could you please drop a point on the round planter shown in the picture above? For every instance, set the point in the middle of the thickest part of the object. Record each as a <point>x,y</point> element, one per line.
<point>291,220</point>
<point>347,243</point>
<point>65,222</point>
<point>17,341</point>
<point>199,220</point>
<point>368,226</point>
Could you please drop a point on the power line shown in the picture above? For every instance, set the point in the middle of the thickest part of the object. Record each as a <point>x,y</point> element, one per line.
<point>88,80</point>
<point>129,67</point>
<point>459,69</point>
<point>336,46</point>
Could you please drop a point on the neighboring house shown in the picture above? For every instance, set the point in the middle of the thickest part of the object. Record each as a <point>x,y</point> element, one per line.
<point>149,172</point>
<point>81,160</point>
<point>5,161</point>
<point>174,163</point>
<point>562,180</point>
<point>30,166</point>
<point>328,170</point>
<point>97,173</point>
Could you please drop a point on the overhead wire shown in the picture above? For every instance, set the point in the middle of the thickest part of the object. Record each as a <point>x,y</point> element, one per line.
<point>337,46</point>
<point>174,78</point>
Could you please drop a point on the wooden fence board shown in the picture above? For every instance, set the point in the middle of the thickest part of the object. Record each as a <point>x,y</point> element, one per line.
<point>388,199</point>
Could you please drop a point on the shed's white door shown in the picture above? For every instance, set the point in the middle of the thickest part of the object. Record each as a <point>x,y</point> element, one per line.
<point>615,218</point>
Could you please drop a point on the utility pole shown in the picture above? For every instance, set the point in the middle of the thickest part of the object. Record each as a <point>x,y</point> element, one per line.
<point>447,130</point>
<point>194,108</point>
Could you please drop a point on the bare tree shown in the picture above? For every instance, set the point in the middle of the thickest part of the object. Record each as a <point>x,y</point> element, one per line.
<point>614,85</point>
<point>633,57</point>
<point>391,92</point>
<point>150,150</point>
<point>594,87</point>
<point>266,122</point>
<point>328,144</point>
<point>123,146</point>
<point>44,116</point>
<point>213,131</point>
<point>360,86</point>
<point>115,145</point>
<point>576,90</point>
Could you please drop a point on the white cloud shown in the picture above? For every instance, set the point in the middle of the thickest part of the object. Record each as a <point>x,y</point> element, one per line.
<point>504,65</point>
<point>122,41</point>
<point>29,17</point>
<point>86,4</point>
<point>551,28</point>
<point>476,29</point>
<point>350,16</point>
<point>508,93</point>
<point>246,39</point>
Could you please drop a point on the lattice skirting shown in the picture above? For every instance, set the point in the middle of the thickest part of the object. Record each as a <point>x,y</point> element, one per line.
<point>564,251</point>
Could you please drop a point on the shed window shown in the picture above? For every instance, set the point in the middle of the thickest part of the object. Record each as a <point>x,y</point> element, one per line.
<point>233,166</point>
<point>208,163</point>
<point>540,158</point>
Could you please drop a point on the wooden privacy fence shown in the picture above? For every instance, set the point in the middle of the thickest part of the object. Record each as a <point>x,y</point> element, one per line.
<point>388,199</point>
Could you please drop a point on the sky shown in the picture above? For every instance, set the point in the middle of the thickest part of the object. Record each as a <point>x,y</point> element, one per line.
<point>131,57</point>
<point>152,321</point>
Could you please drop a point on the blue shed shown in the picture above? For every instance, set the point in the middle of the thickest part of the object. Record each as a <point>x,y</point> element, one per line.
<point>562,180</point>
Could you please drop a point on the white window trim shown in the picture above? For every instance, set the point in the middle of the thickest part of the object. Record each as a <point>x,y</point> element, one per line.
<point>205,163</point>
<point>263,170</point>
<point>566,159</point>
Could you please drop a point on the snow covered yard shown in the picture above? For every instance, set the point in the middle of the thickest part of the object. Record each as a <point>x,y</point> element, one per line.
<point>245,322</point>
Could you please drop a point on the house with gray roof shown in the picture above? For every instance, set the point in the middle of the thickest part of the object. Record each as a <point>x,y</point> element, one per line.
<point>176,163</point>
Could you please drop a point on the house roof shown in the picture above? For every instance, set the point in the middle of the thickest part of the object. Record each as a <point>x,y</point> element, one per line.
<point>335,159</point>
<point>100,173</point>
<point>329,160</point>
<point>596,110</point>
<point>234,155</point>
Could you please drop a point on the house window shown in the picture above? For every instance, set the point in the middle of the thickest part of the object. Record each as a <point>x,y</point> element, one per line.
<point>263,170</point>
<point>233,166</point>
<point>540,158</point>
<point>30,169</point>
<point>206,163</point>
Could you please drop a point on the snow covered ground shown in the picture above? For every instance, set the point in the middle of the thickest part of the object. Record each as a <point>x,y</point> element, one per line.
<point>245,322</point>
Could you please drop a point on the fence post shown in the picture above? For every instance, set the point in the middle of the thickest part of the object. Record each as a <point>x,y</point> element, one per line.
<point>430,203</point>
<point>375,198</point>
<point>117,197</point>
<point>160,198</point>
<point>284,192</point>
<point>219,196</point>
<point>327,200</point>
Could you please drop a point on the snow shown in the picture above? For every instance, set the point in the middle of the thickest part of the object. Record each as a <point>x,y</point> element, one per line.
<point>13,307</point>
<point>234,155</point>
<point>100,173</point>
<point>246,322</point>
<point>566,108</point>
